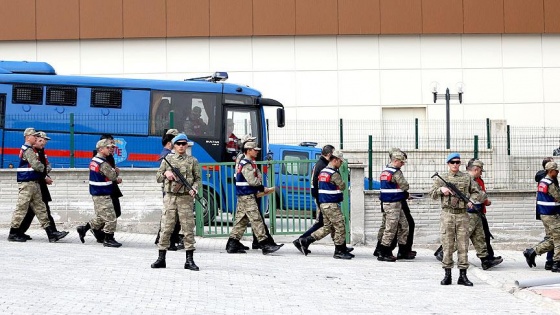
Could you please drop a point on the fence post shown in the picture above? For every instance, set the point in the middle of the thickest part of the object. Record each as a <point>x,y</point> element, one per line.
<point>416,133</point>
<point>341,135</point>
<point>488,134</point>
<point>370,162</point>
<point>476,147</point>
<point>171,119</point>
<point>508,141</point>
<point>72,149</point>
<point>357,212</point>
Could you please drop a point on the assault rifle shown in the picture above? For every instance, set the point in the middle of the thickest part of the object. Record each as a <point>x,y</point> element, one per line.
<point>477,207</point>
<point>183,181</point>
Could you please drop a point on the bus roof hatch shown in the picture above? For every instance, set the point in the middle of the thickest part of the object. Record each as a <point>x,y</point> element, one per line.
<point>26,67</point>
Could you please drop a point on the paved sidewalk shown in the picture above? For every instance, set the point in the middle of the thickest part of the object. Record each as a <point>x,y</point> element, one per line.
<point>68,277</point>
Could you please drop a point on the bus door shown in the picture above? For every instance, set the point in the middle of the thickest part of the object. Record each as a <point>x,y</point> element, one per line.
<point>239,122</point>
<point>2,122</point>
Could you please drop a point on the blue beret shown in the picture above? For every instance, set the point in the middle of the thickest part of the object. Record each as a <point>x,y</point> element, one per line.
<point>452,156</point>
<point>180,137</point>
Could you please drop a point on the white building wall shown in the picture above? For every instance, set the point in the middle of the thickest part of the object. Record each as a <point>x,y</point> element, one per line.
<point>349,77</point>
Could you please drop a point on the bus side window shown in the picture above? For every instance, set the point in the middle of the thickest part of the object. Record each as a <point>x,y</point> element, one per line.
<point>161,118</point>
<point>292,167</point>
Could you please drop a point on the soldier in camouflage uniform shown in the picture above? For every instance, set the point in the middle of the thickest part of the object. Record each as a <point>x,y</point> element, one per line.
<point>394,189</point>
<point>39,146</point>
<point>178,200</point>
<point>477,233</point>
<point>249,182</point>
<point>330,195</point>
<point>255,245</point>
<point>548,205</point>
<point>101,177</point>
<point>454,220</point>
<point>30,170</point>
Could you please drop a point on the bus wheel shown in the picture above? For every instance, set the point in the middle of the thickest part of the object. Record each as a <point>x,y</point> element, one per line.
<point>209,214</point>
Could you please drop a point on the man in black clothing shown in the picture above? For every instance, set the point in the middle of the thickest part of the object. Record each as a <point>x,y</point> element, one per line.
<point>43,182</point>
<point>116,193</point>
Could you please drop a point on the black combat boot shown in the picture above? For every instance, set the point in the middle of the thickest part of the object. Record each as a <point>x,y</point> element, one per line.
<point>548,265</point>
<point>110,241</point>
<point>490,262</point>
<point>377,249</point>
<point>267,247</point>
<point>305,242</point>
<point>555,266</point>
<point>385,254</point>
<point>27,237</point>
<point>463,278</point>
<point>255,244</point>
<point>98,234</point>
<point>341,253</point>
<point>447,278</point>
<point>298,246</point>
<point>530,255</point>
<point>54,236</point>
<point>160,262</point>
<point>439,253</point>
<point>82,230</point>
<point>233,246</point>
<point>189,264</point>
<point>15,236</point>
<point>404,252</point>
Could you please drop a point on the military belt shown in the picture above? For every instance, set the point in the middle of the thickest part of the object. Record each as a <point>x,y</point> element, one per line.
<point>454,211</point>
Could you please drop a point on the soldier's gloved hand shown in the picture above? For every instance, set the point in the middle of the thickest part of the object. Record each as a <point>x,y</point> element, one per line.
<point>446,191</point>
<point>192,192</point>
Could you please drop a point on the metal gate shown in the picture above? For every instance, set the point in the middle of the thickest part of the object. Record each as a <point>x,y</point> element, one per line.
<point>290,210</point>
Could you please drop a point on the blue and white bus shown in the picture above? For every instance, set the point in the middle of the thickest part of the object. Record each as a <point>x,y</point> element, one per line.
<point>76,110</point>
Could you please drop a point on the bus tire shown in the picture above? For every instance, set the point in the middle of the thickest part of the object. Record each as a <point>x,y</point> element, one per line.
<point>209,215</point>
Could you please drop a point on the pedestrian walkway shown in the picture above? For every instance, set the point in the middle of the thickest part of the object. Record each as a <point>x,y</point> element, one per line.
<point>69,277</point>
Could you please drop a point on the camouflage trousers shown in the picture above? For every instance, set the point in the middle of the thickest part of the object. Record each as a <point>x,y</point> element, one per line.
<point>395,222</point>
<point>477,236</point>
<point>382,227</point>
<point>333,221</point>
<point>177,205</point>
<point>29,196</point>
<point>454,229</point>
<point>552,231</point>
<point>248,211</point>
<point>105,218</point>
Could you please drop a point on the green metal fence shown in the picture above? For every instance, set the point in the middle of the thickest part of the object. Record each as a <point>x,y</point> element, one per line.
<point>512,154</point>
<point>290,210</point>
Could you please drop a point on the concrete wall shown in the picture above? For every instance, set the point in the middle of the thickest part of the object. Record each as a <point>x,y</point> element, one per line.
<point>512,213</point>
<point>511,217</point>
<point>72,203</point>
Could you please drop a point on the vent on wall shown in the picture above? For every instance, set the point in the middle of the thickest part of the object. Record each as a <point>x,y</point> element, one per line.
<point>27,94</point>
<point>111,98</point>
<point>62,95</point>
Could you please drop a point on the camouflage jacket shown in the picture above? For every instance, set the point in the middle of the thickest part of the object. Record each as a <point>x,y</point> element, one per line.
<point>187,165</point>
<point>464,183</point>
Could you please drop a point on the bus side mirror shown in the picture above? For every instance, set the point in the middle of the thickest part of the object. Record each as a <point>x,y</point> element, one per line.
<point>281,117</point>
